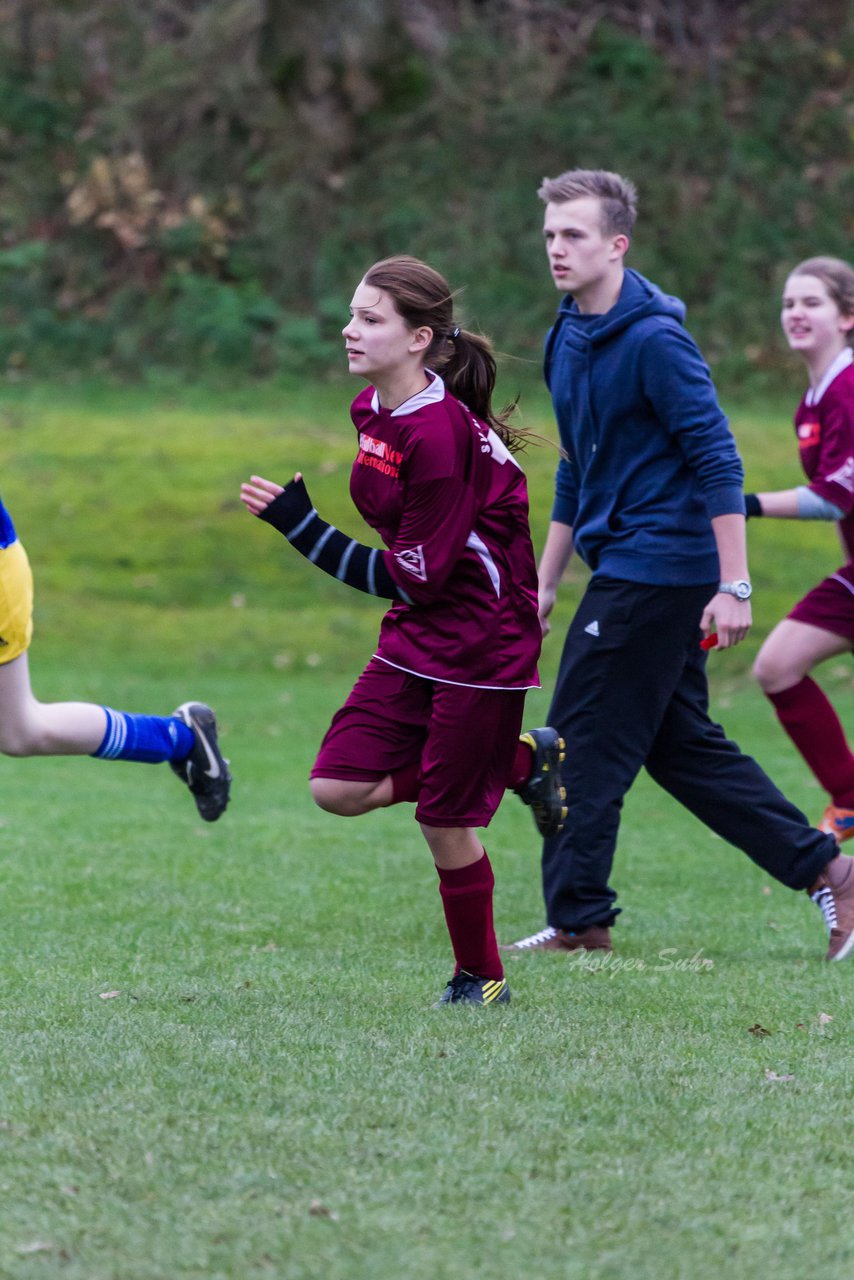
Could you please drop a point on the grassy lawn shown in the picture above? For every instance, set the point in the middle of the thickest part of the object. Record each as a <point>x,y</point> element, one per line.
<point>218,1057</point>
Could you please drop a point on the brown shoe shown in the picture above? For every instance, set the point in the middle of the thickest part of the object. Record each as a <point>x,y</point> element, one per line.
<point>836,903</point>
<point>596,937</point>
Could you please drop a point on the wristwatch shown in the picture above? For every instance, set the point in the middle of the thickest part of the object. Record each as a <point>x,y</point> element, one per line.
<point>741,590</point>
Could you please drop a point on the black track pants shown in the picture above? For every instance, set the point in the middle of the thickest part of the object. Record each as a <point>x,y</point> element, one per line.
<point>631,691</point>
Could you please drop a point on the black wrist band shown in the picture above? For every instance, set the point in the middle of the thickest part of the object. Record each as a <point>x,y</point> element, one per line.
<point>752,506</point>
<point>361,567</point>
<point>287,510</point>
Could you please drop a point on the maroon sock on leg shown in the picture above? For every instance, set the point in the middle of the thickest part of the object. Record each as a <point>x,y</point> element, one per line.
<point>811,722</point>
<point>467,899</point>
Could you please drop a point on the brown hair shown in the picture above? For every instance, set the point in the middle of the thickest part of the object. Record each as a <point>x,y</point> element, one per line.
<point>838,278</point>
<point>464,359</point>
<point>618,196</point>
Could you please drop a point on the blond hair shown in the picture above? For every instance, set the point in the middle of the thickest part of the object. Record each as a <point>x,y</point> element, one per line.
<point>618,196</point>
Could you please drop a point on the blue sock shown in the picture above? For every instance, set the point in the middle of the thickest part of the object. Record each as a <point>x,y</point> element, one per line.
<point>149,739</point>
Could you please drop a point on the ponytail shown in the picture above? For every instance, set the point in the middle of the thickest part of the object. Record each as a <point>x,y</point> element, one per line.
<point>464,359</point>
<point>467,365</point>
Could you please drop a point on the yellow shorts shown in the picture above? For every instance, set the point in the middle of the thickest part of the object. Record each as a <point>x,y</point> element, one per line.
<point>16,602</point>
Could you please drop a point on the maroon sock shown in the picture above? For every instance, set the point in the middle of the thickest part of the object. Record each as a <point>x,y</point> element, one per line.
<point>404,784</point>
<point>467,899</point>
<point>523,763</point>
<point>812,724</point>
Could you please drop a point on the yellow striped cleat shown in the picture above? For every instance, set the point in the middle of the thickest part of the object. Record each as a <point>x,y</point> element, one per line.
<point>468,988</point>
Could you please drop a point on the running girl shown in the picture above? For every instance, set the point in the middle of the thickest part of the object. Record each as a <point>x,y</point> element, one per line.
<point>435,716</point>
<point>818,321</point>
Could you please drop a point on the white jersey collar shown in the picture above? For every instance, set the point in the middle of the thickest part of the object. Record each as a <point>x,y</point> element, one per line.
<point>842,361</point>
<point>431,394</point>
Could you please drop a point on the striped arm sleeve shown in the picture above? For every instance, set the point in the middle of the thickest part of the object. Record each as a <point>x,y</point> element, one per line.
<point>359,566</point>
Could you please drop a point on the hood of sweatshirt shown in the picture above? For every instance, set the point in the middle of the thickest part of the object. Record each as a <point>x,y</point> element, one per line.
<point>639,298</point>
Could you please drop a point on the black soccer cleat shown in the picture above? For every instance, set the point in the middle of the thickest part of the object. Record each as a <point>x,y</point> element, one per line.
<point>468,988</point>
<point>205,769</point>
<point>543,792</point>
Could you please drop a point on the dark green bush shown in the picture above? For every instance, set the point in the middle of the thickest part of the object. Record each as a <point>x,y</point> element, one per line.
<point>254,213</point>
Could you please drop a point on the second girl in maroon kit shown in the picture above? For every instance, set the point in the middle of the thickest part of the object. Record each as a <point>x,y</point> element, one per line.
<point>435,716</point>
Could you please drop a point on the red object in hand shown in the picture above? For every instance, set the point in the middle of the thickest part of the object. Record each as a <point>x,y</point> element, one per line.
<point>710,642</point>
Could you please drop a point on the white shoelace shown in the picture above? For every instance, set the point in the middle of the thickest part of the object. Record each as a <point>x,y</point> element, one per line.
<point>545,935</point>
<point>826,903</point>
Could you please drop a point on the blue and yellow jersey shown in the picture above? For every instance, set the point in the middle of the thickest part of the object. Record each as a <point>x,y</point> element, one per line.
<point>7,529</point>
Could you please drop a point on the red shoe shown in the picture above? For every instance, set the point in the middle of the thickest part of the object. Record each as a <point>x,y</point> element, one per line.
<point>838,823</point>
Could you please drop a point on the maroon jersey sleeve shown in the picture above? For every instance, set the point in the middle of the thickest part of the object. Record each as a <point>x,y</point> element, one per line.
<point>832,475</point>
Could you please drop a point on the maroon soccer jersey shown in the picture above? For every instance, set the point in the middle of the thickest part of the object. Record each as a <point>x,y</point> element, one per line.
<point>824,423</point>
<point>451,505</point>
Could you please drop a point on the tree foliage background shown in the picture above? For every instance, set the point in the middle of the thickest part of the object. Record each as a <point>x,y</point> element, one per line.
<point>200,183</point>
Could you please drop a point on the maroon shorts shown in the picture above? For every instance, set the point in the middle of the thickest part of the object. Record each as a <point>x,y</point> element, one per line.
<point>830,605</point>
<point>465,740</point>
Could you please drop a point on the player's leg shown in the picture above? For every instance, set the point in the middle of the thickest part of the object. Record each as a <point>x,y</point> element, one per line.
<point>622,659</point>
<point>461,788</point>
<point>32,728</point>
<point>694,760</point>
<point>187,739</point>
<point>351,799</point>
<point>28,727</point>
<point>822,627</point>
<point>370,756</point>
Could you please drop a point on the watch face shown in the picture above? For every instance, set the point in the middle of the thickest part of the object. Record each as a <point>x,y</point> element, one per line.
<point>742,590</point>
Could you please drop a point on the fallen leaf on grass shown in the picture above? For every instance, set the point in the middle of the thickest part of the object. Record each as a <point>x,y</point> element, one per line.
<point>772,1075</point>
<point>758,1030</point>
<point>35,1246</point>
<point>318,1209</point>
<point>824,1018</point>
<point>109,995</point>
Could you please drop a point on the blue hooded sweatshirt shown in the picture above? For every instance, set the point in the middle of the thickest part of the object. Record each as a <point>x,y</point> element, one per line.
<point>651,457</point>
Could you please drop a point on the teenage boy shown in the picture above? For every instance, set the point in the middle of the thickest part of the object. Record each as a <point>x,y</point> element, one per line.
<point>650,496</point>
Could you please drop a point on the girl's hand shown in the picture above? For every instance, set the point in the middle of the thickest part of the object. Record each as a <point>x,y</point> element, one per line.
<point>256,494</point>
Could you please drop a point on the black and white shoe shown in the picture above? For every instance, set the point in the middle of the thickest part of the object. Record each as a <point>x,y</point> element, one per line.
<point>205,770</point>
<point>468,988</point>
<point>543,792</point>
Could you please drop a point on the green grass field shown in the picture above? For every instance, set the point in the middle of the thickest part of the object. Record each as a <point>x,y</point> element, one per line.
<point>219,1058</point>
